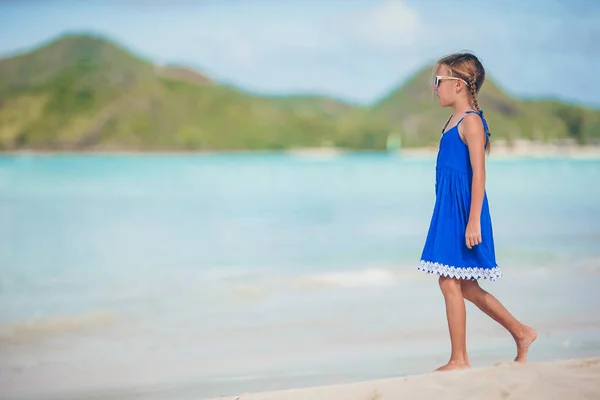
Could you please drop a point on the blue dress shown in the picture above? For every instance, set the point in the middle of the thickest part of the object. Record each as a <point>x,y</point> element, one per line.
<point>445,251</point>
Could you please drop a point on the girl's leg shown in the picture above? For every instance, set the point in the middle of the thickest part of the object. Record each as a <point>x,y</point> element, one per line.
<point>457,323</point>
<point>487,303</point>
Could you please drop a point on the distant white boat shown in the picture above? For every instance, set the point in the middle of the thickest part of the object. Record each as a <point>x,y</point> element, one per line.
<point>317,153</point>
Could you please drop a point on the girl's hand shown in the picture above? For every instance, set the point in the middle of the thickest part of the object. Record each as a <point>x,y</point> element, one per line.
<point>473,234</point>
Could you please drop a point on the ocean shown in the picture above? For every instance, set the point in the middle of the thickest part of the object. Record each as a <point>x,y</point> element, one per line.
<point>183,276</point>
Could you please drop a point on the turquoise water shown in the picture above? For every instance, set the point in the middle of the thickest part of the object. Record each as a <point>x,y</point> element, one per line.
<point>187,276</point>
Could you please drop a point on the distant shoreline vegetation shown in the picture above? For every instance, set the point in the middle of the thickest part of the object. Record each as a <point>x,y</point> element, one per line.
<point>524,149</point>
<point>85,93</point>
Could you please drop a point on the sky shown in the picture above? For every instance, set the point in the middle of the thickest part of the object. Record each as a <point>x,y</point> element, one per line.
<point>356,50</point>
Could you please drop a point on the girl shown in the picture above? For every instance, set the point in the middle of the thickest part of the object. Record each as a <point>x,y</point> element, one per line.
<point>460,245</point>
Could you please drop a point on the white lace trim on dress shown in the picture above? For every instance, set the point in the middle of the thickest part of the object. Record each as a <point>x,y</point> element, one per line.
<point>460,272</point>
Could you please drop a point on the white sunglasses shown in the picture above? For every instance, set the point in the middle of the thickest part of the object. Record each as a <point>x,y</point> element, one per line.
<point>438,78</point>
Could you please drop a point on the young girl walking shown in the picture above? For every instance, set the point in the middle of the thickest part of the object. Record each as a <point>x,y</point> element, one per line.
<point>460,244</point>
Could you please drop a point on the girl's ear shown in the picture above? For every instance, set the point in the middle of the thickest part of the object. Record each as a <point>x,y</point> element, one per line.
<point>458,85</point>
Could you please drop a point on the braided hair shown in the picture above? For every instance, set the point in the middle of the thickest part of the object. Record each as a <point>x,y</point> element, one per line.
<point>472,87</point>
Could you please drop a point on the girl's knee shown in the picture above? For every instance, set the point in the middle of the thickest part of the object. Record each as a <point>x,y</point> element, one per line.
<point>449,285</point>
<point>470,289</point>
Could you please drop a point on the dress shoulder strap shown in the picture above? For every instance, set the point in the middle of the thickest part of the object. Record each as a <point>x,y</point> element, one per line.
<point>466,113</point>
<point>446,125</point>
<point>483,121</point>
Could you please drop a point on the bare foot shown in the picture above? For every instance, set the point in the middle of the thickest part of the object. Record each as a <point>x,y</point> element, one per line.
<point>452,365</point>
<point>524,340</point>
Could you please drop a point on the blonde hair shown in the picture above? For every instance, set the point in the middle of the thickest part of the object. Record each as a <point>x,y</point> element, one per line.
<point>467,67</point>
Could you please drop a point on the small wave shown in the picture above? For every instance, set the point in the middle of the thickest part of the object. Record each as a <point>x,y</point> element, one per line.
<point>231,275</point>
<point>365,277</point>
<point>250,292</point>
<point>45,328</point>
<point>541,272</point>
<point>265,285</point>
<point>318,154</point>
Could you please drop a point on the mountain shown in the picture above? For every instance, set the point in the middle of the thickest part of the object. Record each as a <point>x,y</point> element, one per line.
<point>81,92</point>
<point>84,92</point>
<point>183,73</point>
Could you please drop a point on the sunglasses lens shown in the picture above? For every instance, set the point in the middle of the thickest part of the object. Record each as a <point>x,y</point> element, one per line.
<point>436,81</point>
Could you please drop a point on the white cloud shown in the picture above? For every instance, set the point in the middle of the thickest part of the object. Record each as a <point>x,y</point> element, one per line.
<point>234,46</point>
<point>389,25</point>
<point>386,25</point>
<point>240,50</point>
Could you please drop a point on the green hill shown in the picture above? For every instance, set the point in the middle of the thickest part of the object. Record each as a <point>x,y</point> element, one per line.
<point>86,93</point>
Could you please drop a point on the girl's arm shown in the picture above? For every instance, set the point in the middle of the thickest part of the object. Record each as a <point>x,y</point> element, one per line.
<point>475,138</point>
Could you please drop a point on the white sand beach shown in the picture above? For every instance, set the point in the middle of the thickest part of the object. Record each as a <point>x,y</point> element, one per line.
<point>522,149</point>
<point>565,379</point>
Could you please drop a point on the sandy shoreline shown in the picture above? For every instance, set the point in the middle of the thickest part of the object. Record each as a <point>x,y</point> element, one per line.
<point>564,379</point>
<point>500,149</point>
<point>524,150</point>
